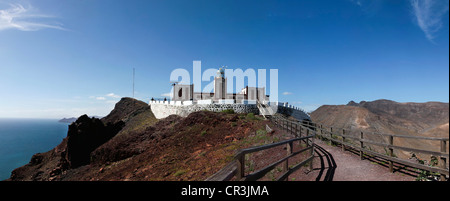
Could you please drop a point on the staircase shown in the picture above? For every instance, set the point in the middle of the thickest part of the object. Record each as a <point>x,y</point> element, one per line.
<point>264,110</point>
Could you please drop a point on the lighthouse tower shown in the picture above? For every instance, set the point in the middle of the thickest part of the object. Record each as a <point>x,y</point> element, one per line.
<point>220,85</point>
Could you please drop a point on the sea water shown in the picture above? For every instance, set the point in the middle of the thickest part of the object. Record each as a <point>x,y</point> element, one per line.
<point>22,138</point>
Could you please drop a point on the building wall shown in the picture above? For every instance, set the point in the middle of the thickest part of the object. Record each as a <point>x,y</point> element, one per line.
<point>161,110</point>
<point>203,96</point>
<point>220,88</point>
<point>237,97</point>
<point>183,92</point>
<point>186,93</point>
<point>261,93</point>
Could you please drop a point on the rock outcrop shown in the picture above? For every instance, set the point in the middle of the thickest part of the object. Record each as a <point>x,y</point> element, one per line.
<point>85,135</point>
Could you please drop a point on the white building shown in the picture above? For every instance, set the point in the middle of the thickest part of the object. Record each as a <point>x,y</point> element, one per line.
<point>220,95</point>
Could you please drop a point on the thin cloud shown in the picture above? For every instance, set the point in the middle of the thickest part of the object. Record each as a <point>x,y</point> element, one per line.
<point>428,14</point>
<point>100,98</point>
<point>287,93</point>
<point>25,19</point>
<point>112,95</point>
<point>357,2</point>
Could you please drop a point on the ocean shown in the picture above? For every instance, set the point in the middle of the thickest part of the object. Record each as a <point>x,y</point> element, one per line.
<point>22,138</point>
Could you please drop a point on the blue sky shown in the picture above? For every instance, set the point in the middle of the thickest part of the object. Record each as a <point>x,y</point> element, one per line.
<point>67,58</point>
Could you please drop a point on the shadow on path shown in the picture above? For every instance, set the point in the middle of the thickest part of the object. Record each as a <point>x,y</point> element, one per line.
<point>331,167</point>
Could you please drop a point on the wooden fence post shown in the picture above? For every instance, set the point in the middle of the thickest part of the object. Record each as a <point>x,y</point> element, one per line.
<point>287,125</point>
<point>240,167</point>
<point>343,138</point>
<point>290,129</point>
<point>391,153</point>
<point>361,153</point>
<point>331,136</point>
<point>288,152</point>
<point>443,162</point>
<point>307,134</point>
<point>312,154</point>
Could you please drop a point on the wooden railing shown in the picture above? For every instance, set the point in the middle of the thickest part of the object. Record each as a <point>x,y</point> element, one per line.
<point>237,166</point>
<point>344,139</point>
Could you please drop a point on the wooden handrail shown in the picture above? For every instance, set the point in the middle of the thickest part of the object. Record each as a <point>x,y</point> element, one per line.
<point>394,135</point>
<point>443,154</point>
<point>237,167</point>
<point>436,153</point>
<point>293,169</point>
<point>256,175</point>
<point>389,158</point>
<point>268,146</point>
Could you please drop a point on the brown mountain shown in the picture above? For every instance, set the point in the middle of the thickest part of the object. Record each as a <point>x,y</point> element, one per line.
<point>386,116</point>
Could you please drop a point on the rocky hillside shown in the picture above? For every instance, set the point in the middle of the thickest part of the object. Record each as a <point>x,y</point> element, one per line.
<point>131,144</point>
<point>421,115</point>
<point>385,116</point>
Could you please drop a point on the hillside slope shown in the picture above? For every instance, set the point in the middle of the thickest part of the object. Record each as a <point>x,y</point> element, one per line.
<point>421,115</point>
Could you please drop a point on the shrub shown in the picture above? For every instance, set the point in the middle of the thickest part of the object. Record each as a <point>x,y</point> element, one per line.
<point>228,111</point>
<point>251,116</point>
<point>179,173</point>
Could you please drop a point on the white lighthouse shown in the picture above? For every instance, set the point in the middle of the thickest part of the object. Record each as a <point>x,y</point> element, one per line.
<point>220,85</point>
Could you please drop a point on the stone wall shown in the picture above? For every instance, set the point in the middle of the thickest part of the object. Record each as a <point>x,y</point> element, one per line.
<point>162,110</point>
<point>296,113</point>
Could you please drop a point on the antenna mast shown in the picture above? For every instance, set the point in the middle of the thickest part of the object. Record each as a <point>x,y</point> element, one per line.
<point>133,82</point>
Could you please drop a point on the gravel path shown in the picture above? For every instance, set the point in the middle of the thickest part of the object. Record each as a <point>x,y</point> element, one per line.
<point>332,164</point>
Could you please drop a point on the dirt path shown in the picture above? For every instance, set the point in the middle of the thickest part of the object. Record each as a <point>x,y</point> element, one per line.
<point>332,164</point>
